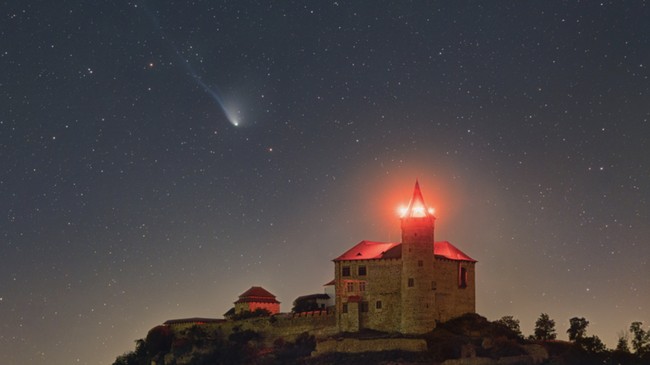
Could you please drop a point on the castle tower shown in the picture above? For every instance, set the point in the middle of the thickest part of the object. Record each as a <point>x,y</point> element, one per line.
<point>418,305</point>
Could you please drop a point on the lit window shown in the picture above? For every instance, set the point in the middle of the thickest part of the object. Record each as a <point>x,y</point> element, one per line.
<point>362,271</point>
<point>362,286</point>
<point>378,304</point>
<point>345,271</point>
<point>411,282</point>
<point>350,287</point>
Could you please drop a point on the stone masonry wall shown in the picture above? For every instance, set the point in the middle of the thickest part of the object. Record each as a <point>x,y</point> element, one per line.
<point>382,283</point>
<point>451,300</point>
<point>286,326</point>
<point>359,345</point>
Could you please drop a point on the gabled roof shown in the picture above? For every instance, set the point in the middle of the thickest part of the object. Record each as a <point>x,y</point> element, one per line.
<point>369,250</point>
<point>256,294</point>
<point>449,251</point>
<point>256,291</point>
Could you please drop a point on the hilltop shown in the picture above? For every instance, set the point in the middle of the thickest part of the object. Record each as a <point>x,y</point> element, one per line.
<point>468,340</point>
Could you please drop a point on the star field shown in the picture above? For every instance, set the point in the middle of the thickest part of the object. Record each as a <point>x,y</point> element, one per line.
<point>129,196</point>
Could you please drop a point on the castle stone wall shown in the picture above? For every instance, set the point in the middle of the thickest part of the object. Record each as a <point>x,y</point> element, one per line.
<point>452,300</point>
<point>285,326</point>
<point>384,281</point>
<point>382,284</point>
<point>352,345</point>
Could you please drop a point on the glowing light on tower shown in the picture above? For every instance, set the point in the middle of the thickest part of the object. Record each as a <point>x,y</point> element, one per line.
<point>416,207</point>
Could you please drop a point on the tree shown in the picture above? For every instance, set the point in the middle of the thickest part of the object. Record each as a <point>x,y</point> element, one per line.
<point>577,329</point>
<point>640,338</point>
<point>137,357</point>
<point>304,305</point>
<point>159,339</point>
<point>511,323</point>
<point>258,312</point>
<point>622,345</point>
<point>544,328</point>
<point>592,344</point>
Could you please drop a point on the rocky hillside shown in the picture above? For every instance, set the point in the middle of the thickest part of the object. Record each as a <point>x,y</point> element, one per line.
<point>468,340</point>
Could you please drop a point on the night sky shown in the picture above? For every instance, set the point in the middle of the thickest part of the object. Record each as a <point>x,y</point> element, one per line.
<point>159,158</point>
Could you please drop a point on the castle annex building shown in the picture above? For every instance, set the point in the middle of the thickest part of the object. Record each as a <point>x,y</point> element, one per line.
<point>404,287</point>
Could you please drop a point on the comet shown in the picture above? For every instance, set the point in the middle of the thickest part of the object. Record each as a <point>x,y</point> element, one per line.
<point>233,117</point>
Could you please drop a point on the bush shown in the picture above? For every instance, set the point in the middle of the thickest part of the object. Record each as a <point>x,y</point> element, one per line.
<point>259,312</point>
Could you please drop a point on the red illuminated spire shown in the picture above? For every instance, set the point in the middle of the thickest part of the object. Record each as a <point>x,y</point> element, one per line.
<point>416,207</point>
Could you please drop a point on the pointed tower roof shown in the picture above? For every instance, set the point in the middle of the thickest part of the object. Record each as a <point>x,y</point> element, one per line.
<point>416,207</point>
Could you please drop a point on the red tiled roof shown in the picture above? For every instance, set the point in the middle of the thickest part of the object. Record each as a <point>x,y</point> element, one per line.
<point>449,251</point>
<point>257,291</point>
<point>369,250</point>
<point>256,300</point>
<point>257,294</point>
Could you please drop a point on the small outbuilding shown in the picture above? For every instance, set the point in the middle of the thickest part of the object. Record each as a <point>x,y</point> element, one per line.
<point>257,298</point>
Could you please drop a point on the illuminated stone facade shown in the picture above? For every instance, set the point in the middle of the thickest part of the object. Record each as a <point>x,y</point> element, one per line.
<point>404,287</point>
<point>257,298</point>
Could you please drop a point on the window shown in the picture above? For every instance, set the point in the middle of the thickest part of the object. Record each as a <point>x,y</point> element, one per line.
<point>350,287</point>
<point>420,263</point>
<point>362,271</point>
<point>364,307</point>
<point>411,282</point>
<point>462,278</point>
<point>378,304</point>
<point>345,271</point>
<point>362,286</point>
<point>345,308</point>
<point>433,285</point>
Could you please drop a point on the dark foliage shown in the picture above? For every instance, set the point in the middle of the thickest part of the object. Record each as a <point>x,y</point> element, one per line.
<point>380,357</point>
<point>158,340</point>
<point>510,323</point>
<point>544,328</point>
<point>293,352</point>
<point>577,328</point>
<point>259,312</point>
<point>137,357</point>
<point>304,305</point>
<point>470,331</point>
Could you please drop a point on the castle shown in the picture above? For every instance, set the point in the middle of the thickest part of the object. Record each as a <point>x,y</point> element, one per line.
<point>404,287</point>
